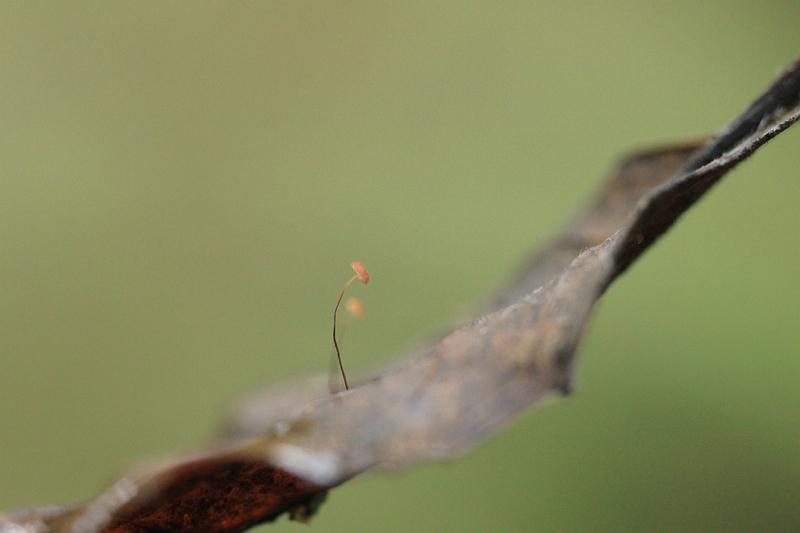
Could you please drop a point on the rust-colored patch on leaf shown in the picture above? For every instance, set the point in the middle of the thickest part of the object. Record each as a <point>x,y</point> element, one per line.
<point>213,496</point>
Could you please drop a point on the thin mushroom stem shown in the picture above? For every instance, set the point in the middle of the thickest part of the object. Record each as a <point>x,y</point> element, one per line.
<point>363,276</point>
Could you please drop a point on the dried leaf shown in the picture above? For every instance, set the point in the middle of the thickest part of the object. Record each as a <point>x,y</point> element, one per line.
<point>286,447</point>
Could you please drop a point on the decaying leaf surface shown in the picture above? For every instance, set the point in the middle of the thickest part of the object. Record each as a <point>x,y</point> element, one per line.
<point>285,447</point>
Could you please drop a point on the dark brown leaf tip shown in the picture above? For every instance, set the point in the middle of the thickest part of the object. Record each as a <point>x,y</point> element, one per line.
<point>213,495</point>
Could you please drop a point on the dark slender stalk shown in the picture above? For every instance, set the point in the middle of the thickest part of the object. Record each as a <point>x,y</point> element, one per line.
<point>335,343</point>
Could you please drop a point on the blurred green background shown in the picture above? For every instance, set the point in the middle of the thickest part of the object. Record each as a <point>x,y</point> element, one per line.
<point>183,186</point>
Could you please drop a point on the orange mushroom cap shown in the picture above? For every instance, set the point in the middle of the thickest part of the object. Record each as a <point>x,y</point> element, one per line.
<point>361,272</point>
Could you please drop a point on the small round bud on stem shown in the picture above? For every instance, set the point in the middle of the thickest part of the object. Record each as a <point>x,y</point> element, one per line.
<point>363,276</point>
<point>354,306</point>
